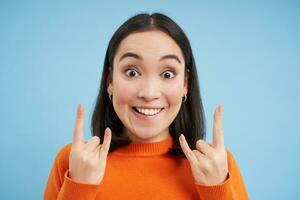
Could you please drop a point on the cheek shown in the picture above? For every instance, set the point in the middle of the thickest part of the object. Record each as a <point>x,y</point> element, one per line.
<point>123,92</point>
<point>174,93</point>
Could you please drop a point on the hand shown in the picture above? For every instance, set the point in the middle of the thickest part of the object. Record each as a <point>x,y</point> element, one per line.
<point>208,161</point>
<point>87,160</point>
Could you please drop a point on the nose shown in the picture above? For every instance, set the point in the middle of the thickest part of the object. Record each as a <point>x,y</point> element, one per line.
<point>149,90</point>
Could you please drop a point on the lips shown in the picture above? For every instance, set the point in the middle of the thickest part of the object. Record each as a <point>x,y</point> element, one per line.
<point>147,111</point>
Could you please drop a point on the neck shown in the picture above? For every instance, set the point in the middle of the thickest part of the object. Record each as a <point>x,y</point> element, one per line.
<point>146,149</point>
<point>144,138</point>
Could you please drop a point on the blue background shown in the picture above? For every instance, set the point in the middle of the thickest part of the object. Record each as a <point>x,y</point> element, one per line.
<point>247,54</point>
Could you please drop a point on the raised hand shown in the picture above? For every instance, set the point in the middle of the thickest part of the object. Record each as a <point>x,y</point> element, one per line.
<point>208,161</point>
<point>87,160</point>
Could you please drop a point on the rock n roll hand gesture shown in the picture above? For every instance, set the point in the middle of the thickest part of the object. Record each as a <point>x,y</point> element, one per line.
<point>208,161</point>
<point>87,160</point>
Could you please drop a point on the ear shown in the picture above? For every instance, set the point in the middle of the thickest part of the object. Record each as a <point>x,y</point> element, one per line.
<point>109,82</point>
<point>110,88</point>
<point>186,82</point>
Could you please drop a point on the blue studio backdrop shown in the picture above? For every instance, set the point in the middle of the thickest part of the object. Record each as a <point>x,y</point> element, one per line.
<point>248,58</point>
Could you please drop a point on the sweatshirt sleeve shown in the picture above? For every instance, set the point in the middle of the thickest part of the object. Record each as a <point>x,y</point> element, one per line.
<point>233,188</point>
<point>61,187</point>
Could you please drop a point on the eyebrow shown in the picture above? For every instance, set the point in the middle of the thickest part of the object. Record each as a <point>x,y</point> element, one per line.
<point>136,56</point>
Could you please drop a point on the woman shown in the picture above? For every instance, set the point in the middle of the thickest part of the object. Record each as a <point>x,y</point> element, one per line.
<point>150,117</point>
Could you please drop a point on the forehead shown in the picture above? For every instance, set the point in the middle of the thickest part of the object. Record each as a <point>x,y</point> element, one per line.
<point>152,44</point>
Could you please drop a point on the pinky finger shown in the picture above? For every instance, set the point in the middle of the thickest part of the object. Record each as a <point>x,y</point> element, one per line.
<point>187,150</point>
<point>97,149</point>
<point>106,143</point>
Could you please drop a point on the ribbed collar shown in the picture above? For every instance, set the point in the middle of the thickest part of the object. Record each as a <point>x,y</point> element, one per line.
<point>146,149</point>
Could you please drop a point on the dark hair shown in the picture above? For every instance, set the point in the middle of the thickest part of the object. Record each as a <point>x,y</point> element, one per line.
<point>190,118</point>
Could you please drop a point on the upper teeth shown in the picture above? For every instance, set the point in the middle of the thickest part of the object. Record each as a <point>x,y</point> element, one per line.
<point>148,111</point>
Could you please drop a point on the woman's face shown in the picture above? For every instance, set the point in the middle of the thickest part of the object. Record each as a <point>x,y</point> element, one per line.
<point>148,83</point>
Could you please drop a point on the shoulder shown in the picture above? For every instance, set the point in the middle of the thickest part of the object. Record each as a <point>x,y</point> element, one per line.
<point>232,163</point>
<point>62,157</point>
<point>230,155</point>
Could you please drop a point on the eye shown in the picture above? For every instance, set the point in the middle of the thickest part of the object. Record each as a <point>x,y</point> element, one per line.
<point>131,72</point>
<point>168,74</point>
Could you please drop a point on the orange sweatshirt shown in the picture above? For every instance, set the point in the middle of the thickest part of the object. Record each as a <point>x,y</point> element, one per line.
<point>142,171</point>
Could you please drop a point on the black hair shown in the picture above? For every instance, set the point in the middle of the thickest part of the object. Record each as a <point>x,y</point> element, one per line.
<point>190,119</point>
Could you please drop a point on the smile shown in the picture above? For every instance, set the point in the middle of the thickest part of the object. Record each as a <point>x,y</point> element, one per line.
<point>147,111</point>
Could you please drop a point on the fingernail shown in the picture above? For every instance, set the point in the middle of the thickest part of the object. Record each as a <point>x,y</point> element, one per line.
<point>181,137</point>
<point>78,108</point>
<point>221,107</point>
<point>107,132</point>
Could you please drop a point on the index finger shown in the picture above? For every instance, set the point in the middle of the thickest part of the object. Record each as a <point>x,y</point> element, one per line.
<point>218,138</point>
<point>78,135</point>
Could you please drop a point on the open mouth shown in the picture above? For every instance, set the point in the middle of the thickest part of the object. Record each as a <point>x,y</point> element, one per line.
<point>147,112</point>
